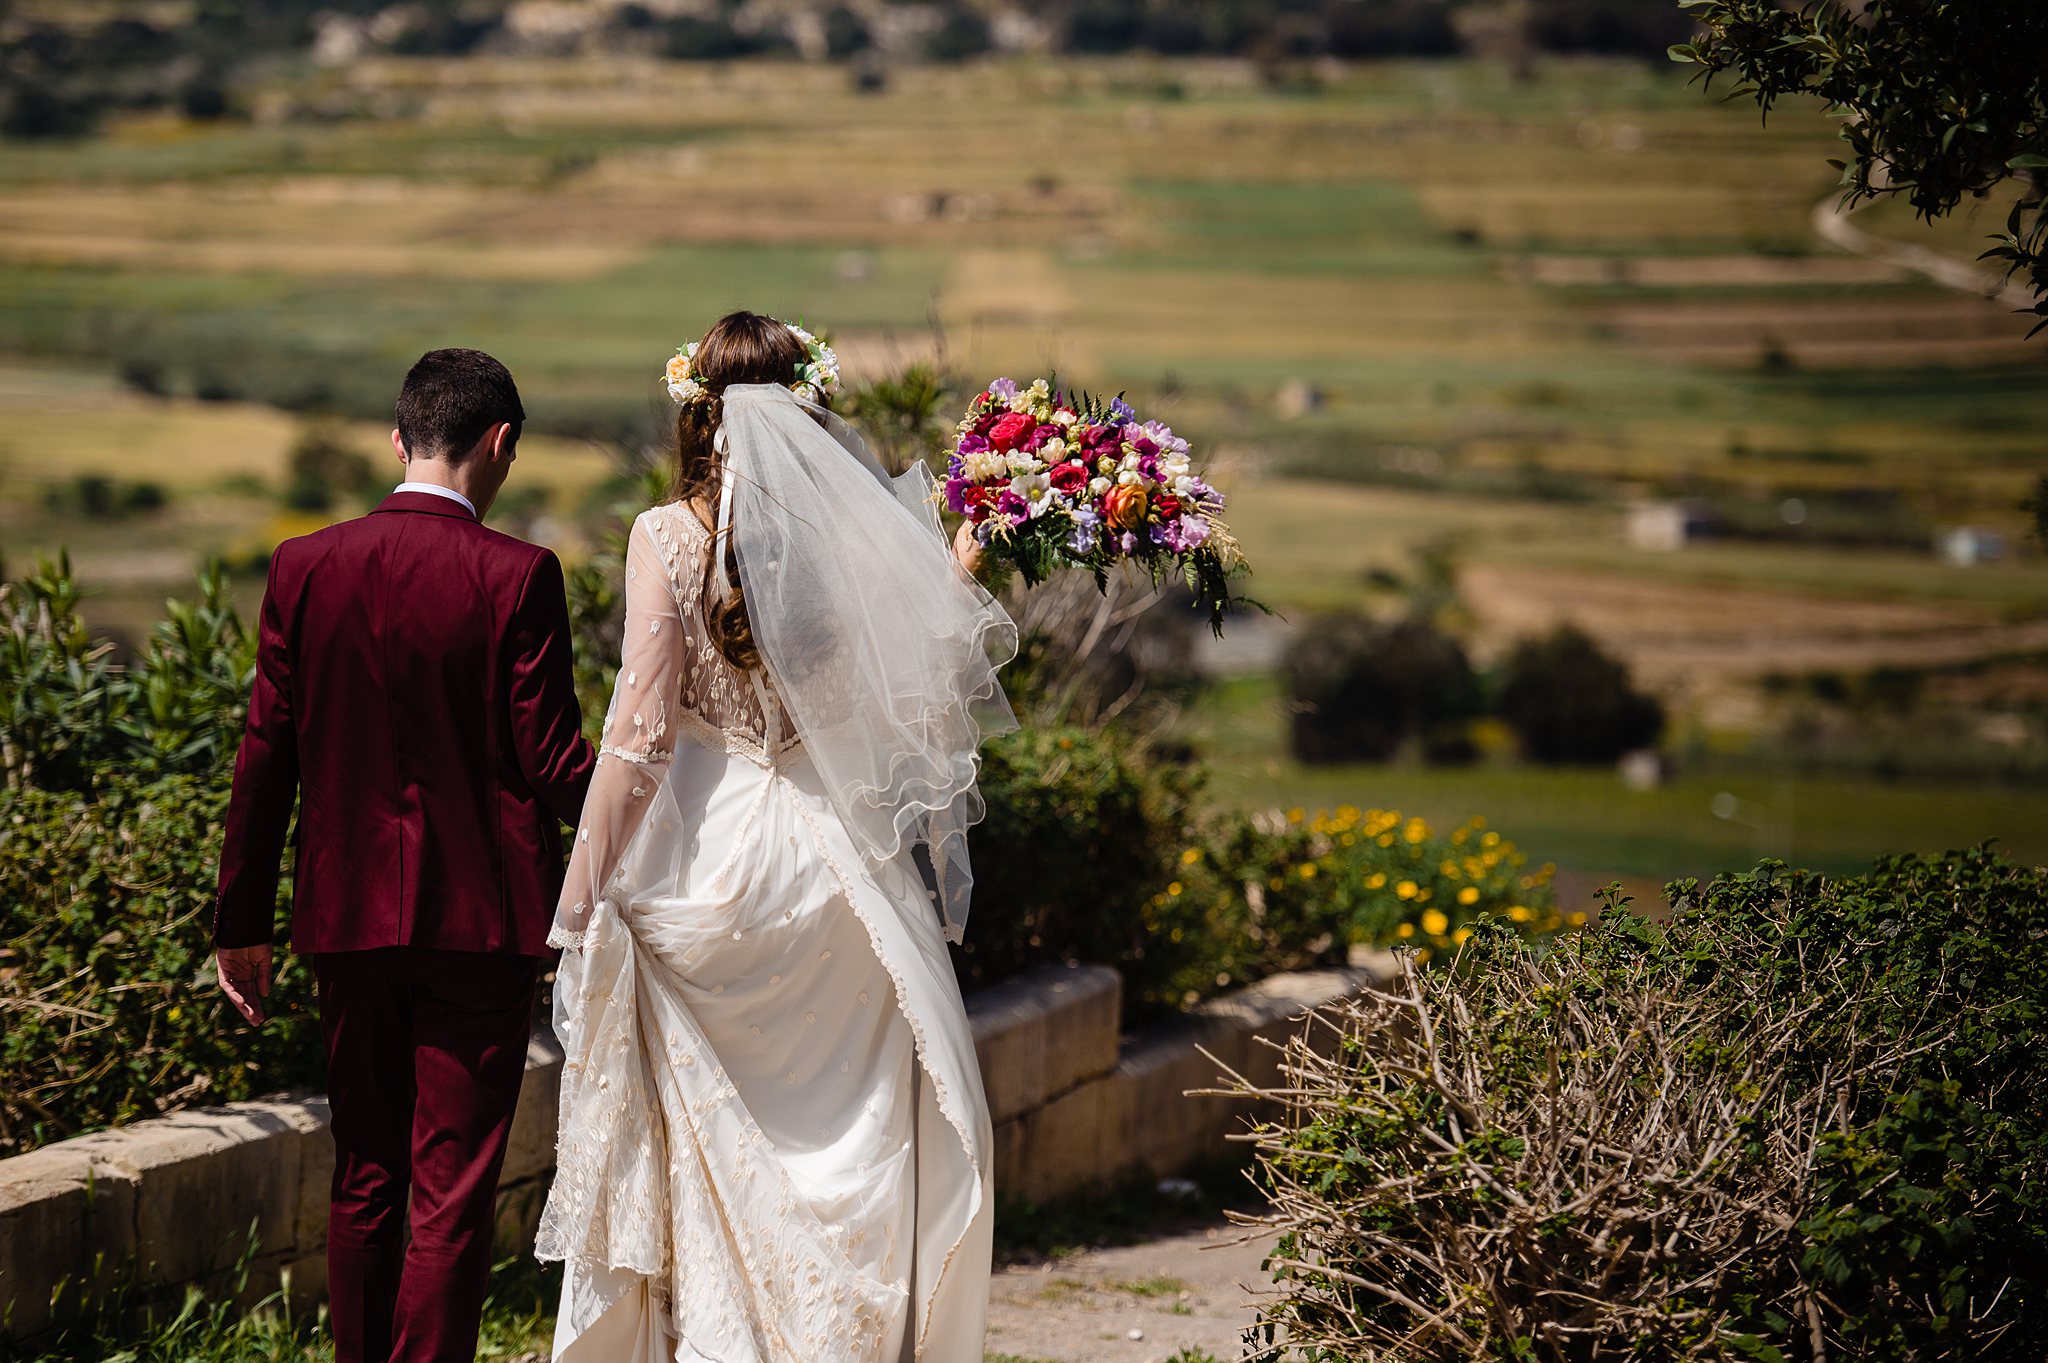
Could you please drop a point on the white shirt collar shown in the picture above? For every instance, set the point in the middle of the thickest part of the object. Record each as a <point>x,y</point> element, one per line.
<point>437,490</point>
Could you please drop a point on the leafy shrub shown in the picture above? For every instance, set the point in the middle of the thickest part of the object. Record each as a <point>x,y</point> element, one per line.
<point>1807,1115</point>
<point>1402,28</point>
<point>1627,28</point>
<point>1363,689</point>
<point>1569,701</point>
<point>322,466</point>
<point>108,1006</point>
<point>98,497</point>
<point>69,717</point>
<point>31,109</point>
<point>1081,831</point>
<point>961,34</point>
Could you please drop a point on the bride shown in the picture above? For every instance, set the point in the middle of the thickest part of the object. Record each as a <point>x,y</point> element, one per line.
<point>774,1146</point>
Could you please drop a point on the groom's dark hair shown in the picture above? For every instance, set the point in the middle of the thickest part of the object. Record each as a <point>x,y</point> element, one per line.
<point>450,398</point>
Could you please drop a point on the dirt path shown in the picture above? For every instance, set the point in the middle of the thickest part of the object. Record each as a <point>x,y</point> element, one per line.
<point>1831,223</point>
<point>1136,1304</point>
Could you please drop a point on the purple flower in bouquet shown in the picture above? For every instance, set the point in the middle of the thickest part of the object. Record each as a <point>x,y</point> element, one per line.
<point>1004,389</point>
<point>1121,411</point>
<point>1087,530</point>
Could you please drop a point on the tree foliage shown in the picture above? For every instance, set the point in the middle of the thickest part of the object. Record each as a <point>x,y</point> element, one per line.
<point>1940,100</point>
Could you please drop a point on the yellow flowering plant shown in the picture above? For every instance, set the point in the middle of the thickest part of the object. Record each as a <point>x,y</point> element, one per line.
<point>1381,878</point>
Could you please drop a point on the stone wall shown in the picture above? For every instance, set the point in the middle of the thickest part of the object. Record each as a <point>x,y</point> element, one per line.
<point>189,1198</point>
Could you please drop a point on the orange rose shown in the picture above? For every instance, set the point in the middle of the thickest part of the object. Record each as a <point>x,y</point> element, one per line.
<point>1125,506</point>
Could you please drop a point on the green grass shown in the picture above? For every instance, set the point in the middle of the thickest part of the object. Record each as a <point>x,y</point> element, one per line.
<point>518,1322</point>
<point>1587,820</point>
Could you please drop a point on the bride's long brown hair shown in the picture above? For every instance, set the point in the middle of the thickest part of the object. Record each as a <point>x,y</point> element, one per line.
<point>741,347</point>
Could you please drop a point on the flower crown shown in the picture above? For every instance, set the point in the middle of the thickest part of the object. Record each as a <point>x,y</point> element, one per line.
<point>817,378</point>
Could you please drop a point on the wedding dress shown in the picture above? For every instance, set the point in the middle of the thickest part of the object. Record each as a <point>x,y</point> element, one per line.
<point>774,1144</point>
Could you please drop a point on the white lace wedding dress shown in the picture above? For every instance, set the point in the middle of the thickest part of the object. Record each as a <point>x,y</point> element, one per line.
<point>774,1144</point>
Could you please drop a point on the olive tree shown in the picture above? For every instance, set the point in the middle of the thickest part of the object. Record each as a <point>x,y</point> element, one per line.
<point>1939,99</point>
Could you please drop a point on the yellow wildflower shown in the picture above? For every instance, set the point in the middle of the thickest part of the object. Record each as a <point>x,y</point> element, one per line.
<point>1406,889</point>
<point>1191,856</point>
<point>1469,895</point>
<point>1434,922</point>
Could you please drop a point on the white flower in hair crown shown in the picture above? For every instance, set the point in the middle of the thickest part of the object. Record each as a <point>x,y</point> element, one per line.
<point>817,378</point>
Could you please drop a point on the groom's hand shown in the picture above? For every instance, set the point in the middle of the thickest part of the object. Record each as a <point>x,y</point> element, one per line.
<point>245,979</point>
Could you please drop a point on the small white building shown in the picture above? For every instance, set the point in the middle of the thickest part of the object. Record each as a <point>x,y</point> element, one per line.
<point>1965,545</point>
<point>1668,525</point>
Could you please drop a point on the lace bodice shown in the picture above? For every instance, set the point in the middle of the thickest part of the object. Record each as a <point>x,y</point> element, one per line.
<point>672,680</point>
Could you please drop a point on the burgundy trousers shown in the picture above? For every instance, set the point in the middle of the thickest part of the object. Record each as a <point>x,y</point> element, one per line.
<point>425,1053</point>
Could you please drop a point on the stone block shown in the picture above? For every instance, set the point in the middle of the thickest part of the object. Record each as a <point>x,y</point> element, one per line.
<point>1009,1044</point>
<point>530,1149</point>
<point>1010,1151</point>
<point>1278,1008</point>
<point>1062,1147</point>
<point>1083,1023</point>
<point>305,1280</point>
<point>518,1217</point>
<point>316,1182</point>
<point>207,1181</point>
<point>67,1232</point>
<point>1043,1033</point>
<point>1170,1127</point>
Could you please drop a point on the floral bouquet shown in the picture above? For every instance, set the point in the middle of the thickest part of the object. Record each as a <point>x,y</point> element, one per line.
<point>1056,480</point>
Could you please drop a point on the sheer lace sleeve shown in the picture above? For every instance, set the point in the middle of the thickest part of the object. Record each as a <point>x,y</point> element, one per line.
<point>638,744</point>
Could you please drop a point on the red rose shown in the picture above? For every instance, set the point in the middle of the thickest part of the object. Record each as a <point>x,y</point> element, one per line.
<point>1069,477</point>
<point>1013,427</point>
<point>977,500</point>
<point>1168,505</point>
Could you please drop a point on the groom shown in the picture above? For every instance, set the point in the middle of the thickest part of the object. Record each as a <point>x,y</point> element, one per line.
<point>413,690</point>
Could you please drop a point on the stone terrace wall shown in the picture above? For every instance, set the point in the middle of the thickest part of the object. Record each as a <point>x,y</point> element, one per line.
<point>181,1200</point>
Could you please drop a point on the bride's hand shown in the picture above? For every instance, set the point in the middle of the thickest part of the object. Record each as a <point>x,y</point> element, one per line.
<point>968,550</point>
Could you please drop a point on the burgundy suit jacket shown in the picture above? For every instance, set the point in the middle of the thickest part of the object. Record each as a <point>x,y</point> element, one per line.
<point>414,690</point>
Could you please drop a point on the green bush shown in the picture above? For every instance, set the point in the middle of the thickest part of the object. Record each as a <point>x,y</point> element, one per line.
<point>108,1006</point>
<point>1569,701</point>
<point>1807,1117</point>
<point>1363,689</point>
<point>69,716</point>
<point>1081,830</point>
<point>324,466</point>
